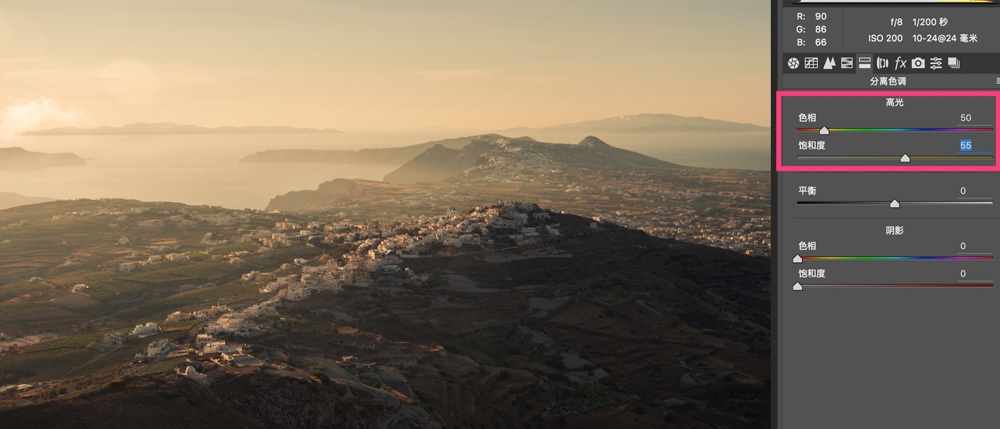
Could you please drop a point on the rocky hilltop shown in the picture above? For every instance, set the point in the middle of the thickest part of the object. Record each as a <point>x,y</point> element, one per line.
<point>506,315</point>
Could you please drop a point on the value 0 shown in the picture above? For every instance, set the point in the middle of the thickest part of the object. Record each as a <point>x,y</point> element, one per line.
<point>885,38</point>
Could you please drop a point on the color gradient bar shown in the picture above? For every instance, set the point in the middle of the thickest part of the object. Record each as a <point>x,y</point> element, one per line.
<point>896,157</point>
<point>896,129</point>
<point>901,285</point>
<point>904,202</point>
<point>895,258</point>
<point>894,1</point>
<point>950,157</point>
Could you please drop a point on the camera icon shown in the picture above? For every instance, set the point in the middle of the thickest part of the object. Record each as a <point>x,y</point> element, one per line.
<point>918,63</point>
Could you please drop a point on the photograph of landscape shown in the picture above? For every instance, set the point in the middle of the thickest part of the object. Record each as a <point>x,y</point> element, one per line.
<point>384,214</point>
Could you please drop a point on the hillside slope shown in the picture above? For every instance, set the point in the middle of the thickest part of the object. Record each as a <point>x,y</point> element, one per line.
<point>494,154</point>
<point>10,199</point>
<point>335,191</point>
<point>583,324</point>
<point>374,156</point>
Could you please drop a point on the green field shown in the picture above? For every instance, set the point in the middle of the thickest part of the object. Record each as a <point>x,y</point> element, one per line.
<point>57,358</point>
<point>51,359</point>
<point>15,289</point>
<point>42,247</point>
<point>126,353</point>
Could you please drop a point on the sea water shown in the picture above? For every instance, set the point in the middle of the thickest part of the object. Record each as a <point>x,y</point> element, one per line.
<point>191,169</point>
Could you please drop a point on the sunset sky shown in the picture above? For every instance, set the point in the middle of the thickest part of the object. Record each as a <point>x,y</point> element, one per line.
<point>379,65</point>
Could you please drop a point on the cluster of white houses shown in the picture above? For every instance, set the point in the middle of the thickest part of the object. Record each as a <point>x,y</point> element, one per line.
<point>152,260</point>
<point>379,248</point>
<point>140,331</point>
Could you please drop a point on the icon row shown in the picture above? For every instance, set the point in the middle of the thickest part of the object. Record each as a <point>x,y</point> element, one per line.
<point>829,63</point>
<point>869,62</point>
<point>917,63</point>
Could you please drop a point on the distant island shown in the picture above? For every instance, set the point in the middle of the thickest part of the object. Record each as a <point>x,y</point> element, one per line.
<point>592,178</point>
<point>380,156</point>
<point>656,134</point>
<point>172,128</point>
<point>643,123</point>
<point>10,199</point>
<point>496,154</point>
<point>16,158</point>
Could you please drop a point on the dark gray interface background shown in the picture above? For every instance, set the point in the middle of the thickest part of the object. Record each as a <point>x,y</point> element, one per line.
<point>887,343</point>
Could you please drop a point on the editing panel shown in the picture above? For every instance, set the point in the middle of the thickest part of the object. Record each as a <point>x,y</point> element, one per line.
<point>887,308</point>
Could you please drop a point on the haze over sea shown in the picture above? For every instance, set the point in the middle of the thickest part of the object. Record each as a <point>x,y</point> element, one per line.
<point>205,169</point>
<point>192,169</point>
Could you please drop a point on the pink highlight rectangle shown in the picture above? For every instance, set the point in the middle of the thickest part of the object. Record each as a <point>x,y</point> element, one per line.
<point>780,94</point>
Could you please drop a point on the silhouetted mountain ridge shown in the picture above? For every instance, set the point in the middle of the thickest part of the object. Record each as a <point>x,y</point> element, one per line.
<point>643,123</point>
<point>173,128</point>
<point>373,156</point>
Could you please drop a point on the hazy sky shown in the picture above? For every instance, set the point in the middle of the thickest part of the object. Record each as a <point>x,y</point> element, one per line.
<point>380,65</point>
